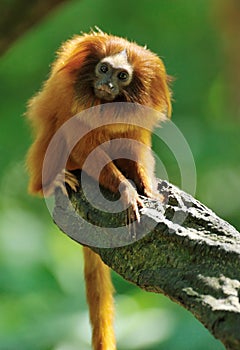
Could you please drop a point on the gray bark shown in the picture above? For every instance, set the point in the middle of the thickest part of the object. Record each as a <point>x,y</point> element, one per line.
<point>180,248</point>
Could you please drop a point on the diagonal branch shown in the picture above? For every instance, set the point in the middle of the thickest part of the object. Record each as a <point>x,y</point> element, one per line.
<point>185,252</point>
<point>17,16</point>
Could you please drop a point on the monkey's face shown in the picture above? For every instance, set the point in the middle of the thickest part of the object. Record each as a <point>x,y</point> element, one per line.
<point>113,74</point>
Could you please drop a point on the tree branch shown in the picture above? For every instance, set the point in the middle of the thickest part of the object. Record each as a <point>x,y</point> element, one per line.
<point>190,254</point>
<point>18,16</point>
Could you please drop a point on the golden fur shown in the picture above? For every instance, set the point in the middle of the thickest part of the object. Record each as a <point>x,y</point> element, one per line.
<point>69,91</point>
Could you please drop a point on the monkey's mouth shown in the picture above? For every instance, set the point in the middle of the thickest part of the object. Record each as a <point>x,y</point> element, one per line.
<point>104,93</point>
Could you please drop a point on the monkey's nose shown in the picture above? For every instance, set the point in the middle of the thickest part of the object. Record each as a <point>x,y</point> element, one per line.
<point>110,85</point>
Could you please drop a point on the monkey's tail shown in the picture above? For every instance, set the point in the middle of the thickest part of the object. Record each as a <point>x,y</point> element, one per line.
<point>99,290</point>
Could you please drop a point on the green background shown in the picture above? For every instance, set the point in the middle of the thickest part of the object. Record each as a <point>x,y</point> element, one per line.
<point>42,301</point>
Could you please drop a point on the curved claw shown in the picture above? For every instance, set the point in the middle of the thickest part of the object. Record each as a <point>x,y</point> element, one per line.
<point>65,177</point>
<point>131,198</point>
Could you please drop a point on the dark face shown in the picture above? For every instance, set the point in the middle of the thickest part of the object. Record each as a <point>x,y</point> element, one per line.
<point>113,74</point>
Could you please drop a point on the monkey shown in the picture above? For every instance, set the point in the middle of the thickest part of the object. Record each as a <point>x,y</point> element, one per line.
<point>94,69</point>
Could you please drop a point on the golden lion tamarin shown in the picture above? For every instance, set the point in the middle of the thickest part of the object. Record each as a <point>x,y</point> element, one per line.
<point>90,70</point>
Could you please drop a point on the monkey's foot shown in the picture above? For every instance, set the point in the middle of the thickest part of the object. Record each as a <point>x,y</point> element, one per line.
<point>154,195</point>
<point>65,177</point>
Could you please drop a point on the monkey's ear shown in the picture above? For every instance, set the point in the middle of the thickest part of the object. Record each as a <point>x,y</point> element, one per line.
<point>70,55</point>
<point>75,51</point>
<point>169,80</point>
<point>160,88</point>
<point>162,93</point>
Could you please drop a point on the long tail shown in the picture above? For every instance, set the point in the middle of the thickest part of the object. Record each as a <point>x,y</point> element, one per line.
<point>99,290</point>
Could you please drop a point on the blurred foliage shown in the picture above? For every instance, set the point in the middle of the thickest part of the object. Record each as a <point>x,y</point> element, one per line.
<point>42,302</point>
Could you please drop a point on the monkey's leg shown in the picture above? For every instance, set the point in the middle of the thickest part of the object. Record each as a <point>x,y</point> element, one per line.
<point>141,171</point>
<point>99,290</point>
<point>147,185</point>
<point>35,160</point>
<point>47,167</point>
<point>146,182</point>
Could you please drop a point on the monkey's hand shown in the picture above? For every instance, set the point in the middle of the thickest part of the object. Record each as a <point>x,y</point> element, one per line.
<point>64,178</point>
<point>131,198</point>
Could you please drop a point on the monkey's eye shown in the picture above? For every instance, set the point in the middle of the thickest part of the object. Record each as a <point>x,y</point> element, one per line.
<point>103,68</point>
<point>123,75</point>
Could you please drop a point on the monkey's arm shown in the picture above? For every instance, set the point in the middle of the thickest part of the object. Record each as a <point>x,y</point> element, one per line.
<point>101,167</point>
<point>191,255</point>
